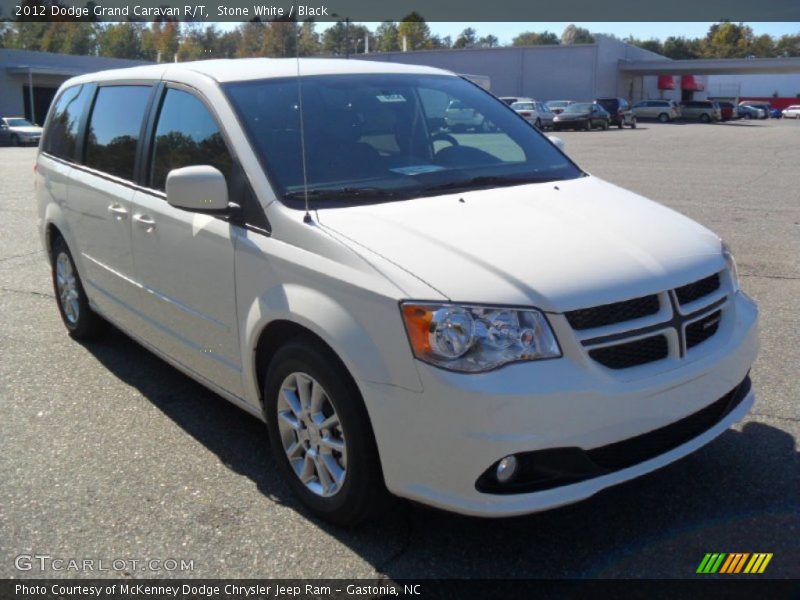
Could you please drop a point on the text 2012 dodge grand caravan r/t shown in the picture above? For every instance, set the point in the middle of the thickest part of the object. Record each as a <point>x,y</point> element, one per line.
<point>463,318</point>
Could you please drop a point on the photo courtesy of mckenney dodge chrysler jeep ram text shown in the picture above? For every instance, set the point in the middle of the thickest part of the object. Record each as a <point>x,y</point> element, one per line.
<point>463,318</point>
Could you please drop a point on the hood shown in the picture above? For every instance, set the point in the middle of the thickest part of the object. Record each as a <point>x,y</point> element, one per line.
<point>28,130</point>
<point>558,246</point>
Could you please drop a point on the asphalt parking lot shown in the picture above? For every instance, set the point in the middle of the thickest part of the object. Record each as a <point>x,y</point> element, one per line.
<point>108,453</point>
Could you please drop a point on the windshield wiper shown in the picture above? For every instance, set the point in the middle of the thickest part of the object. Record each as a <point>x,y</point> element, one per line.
<point>345,193</point>
<point>484,181</point>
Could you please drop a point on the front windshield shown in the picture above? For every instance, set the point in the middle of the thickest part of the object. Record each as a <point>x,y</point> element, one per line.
<point>580,107</point>
<point>371,137</point>
<point>18,123</point>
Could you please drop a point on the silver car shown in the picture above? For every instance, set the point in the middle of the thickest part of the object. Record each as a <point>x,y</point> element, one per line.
<point>536,113</point>
<point>17,131</point>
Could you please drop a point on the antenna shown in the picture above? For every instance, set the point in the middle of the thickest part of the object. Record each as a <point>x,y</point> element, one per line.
<point>307,216</point>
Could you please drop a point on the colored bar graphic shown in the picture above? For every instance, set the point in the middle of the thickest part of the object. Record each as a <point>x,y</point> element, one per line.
<point>734,562</point>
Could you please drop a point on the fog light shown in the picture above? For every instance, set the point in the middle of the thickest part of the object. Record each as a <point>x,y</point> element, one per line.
<point>506,469</point>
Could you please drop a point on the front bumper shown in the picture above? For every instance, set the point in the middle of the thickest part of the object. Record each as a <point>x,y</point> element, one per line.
<point>435,445</point>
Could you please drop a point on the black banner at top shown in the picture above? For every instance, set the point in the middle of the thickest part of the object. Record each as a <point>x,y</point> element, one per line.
<point>398,10</point>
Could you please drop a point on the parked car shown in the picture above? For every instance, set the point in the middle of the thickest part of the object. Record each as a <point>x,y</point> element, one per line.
<point>459,117</point>
<point>17,131</point>
<point>792,112</point>
<point>701,110</point>
<point>727,110</point>
<point>536,113</point>
<point>663,110</point>
<point>558,106</point>
<point>769,111</point>
<point>582,115</point>
<point>513,99</point>
<point>748,112</point>
<point>476,324</point>
<point>619,111</point>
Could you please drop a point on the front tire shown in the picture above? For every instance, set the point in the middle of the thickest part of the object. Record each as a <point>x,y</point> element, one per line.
<point>663,118</point>
<point>73,304</point>
<point>705,118</point>
<point>14,141</point>
<point>321,435</point>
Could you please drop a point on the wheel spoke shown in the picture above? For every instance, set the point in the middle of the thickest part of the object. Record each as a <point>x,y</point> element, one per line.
<point>317,397</point>
<point>329,422</point>
<point>336,472</point>
<point>295,450</point>
<point>332,443</point>
<point>290,419</point>
<point>304,391</point>
<point>325,477</point>
<point>291,399</point>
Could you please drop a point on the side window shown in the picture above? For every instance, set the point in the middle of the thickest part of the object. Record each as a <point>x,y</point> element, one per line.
<point>62,130</point>
<point>186,135</point>
<point>114,127</point>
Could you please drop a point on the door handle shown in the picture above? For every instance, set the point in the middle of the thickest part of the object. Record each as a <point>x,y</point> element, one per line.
<point>147,222</point>
<point>118,212</point>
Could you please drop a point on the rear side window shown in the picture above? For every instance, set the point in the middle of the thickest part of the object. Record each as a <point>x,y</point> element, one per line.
<point>114,127</point>
<point>186,135</point>
<point>62,130</point>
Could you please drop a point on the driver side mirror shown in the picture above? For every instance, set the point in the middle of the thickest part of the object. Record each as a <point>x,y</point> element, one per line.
<point>557,142</point>
<point>200,188</point>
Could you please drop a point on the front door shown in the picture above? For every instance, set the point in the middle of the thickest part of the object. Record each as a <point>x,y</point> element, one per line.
<point>184,260</point>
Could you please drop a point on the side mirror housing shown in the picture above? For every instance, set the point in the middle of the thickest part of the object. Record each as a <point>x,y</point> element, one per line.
<point>200,188</point>
<point>557,142</point>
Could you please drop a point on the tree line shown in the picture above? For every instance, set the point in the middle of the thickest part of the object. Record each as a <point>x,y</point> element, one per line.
<point>170,40</point>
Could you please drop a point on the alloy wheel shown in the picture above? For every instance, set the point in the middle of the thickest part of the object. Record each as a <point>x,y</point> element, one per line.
<point>67,286</point>
<point>311,434</point>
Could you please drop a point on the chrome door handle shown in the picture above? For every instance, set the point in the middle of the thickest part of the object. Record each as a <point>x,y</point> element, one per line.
<point>147,223</point>
<point>118,212</point>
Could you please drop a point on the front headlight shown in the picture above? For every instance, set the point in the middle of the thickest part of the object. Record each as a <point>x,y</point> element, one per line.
<point>472,339</point>
<point>732,269</point>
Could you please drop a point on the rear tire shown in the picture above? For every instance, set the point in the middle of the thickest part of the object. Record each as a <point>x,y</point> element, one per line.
<point>633,124</point>
<point>81,321</point>
<point>14,141</point>
<point>343,486</point>
<point>538,124</point>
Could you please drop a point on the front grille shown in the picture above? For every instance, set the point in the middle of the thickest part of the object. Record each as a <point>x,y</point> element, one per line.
<point>607,314</point>
<point>701,330</point>
<point>697,289</point>
<point>555,467</point>
<point>631,354</point>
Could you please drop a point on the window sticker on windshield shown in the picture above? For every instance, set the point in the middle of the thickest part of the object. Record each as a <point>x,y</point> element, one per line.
<point>391,98</point>
<point>417,169</point>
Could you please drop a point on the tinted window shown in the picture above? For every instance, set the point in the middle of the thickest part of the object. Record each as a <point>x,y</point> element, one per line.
<point>62,131</point>
<point>114,129</point>
<point>390,135</point>
<point>186,135</point>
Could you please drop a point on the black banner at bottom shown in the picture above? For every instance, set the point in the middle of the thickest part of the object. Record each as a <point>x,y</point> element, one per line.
<point>343,589</point>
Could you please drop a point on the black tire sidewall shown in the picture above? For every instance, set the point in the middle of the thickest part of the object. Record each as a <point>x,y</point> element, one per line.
<point>363,484</point>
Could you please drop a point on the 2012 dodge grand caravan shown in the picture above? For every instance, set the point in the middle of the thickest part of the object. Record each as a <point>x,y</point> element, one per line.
<point>466,319</point>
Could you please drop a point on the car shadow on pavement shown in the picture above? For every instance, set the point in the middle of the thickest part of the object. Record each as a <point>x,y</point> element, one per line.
<point>738,494</point>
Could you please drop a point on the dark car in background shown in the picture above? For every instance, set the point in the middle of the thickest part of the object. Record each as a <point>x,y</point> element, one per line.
<point>582,115</point>
<point>620,113</point>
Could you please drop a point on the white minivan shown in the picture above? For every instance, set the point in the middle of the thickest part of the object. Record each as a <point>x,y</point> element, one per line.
<point>465,319</point>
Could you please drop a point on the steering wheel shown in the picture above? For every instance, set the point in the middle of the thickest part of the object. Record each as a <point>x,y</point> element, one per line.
<point>444,137</point>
